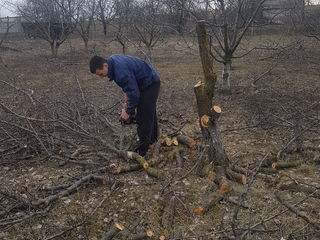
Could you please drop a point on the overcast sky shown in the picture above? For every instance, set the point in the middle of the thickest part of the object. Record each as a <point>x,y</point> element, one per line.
<point>7,7</point>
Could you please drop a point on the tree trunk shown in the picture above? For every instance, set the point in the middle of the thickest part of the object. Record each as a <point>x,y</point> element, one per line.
<point>204,92</point>
<point>226,87</point>
<point>104,23</point>
<point>86,41</point>
<point>54,48</point>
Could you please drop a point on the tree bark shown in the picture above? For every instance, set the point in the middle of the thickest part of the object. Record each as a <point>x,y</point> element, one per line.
<point>226,86</point>
<point>54,48</point>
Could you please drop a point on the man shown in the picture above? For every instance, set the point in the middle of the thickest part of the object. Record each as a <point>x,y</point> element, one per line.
<point>141,85</point>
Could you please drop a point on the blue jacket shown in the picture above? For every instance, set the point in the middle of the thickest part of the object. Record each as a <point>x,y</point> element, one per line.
<point>133,75</point>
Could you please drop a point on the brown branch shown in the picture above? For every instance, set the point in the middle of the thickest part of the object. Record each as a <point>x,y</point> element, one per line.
<point>70,189</point>
<point>314,222</point>
<point>114,230</point>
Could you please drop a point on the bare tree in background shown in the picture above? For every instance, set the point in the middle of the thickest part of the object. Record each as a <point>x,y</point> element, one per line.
<point>87,10</point>
<point>178,10</point>
<point>228,24</point>
<point>312,21</point>
<point>123,22</point>
<point>147,24</point>
<point>105,12</point>
<point>49,20</point>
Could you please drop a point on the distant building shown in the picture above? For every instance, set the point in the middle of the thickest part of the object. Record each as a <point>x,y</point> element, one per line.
<point>280,11</point>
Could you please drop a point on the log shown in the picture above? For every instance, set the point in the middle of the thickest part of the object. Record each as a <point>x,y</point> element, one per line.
<point>136,166</point>
<point>283,164</point>
<point>268,170</point>
<point>166,141</point>
<point>115,229</point>
<point>128,168</point>
<point>168,216</point>
<point>150,170</point>
<point>209,201</point>
<point>240,170</point>
<point>294,187</point>
<point>172,154</point>
<point>186,141</point>
<point>234,176</point>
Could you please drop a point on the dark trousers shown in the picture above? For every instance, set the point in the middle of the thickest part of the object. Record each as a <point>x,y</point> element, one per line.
<point>147,117</point>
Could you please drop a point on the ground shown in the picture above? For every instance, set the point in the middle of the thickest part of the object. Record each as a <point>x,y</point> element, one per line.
<point>256,120</point>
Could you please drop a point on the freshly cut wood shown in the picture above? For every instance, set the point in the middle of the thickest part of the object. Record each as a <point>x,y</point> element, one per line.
<point>216,112</point>
<point>166,141</point>
<point>199,84</point>
<point>128,168</point>
<point>150,233</point>
<point>234,176</point>
<point>282,164</point>
<point>186,141</point>
<point>175,141</point>
<point>136,166</point>
<point>221,180</point>
<point>115,229</point>
<point>151,171</point>
<point>204,121</point>
<point>209,201</point>
<point>294,187</point>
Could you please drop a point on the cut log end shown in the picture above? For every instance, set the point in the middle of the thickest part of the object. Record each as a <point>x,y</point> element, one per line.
<point>150,233</point>
<point>175,141</point>
<point>224,187</point>
<point>204,121</point>
<point>198,84</point>
<point>244,180</point>
<point>198,210</point>
<point>162,237</point>
<point>145,165</point>
<point>119,226</point>
<point>216,109</point>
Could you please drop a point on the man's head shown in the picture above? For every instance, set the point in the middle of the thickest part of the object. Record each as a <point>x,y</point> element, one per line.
<point>99,66</point>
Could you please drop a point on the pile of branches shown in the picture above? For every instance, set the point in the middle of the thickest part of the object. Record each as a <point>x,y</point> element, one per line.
<point>32,128</point>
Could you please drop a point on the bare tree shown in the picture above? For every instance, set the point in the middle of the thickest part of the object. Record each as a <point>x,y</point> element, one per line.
<point>123,22</point>
<point>51,21</point>
<point>178,10</point>
<point>312,22</point>
<point>147,24</point>
<point>86,18</point>
<point>105,12</point>
<point>228,29</point>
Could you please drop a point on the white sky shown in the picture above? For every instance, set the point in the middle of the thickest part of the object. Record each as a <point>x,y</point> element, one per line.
<point>7,7</point>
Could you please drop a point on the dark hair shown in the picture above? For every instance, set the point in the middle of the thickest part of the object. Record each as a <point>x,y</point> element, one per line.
<point>96,62</point>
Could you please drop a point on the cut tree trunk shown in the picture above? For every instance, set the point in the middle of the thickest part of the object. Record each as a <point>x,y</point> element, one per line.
<point>204,92</point>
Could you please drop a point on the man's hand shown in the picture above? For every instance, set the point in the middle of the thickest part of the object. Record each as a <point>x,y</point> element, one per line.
<point>124,115</point>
